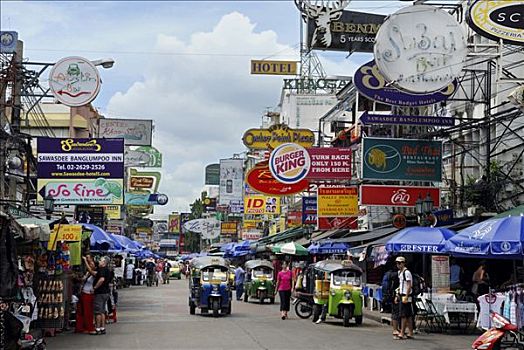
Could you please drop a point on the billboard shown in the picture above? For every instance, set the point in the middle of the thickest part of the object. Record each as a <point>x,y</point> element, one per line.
<point>330,163</point>
<point>82,191</point>
<point>309,210</point>
<point>294,219</point>
<point>262,205</point>
<point>401,159</point>
<point>332,223</point>
<point>350,31</point>
<point>173,223</point>
<point>231,180</point>
<point>337,201</point>
<point>112,212</point>
<point>303,110</point>
<point>145,198</point>
<point>397,196</point>
<point>135,132</point>
<point>276,135</point>
<point>229,229</point>
<point>212,176</point>
<point>90,214</point>
<point>144,156</point>
<point>273,67</point>
<point>260,180</point>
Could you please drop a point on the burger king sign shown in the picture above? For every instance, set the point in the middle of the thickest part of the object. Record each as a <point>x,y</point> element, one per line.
<point>289,163</point>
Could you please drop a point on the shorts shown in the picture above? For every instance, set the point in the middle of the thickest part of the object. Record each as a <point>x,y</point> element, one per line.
<point>395,312</point>
<point>100,303</point>
<point>405,310</point>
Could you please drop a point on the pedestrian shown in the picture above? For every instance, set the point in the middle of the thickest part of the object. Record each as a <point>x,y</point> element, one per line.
<point>84,312</point>
<point>159,269</point>
<point>390,285</point>
<point>150,267</point>
<point>480,281</point>
<point>240,276</point>
<point>101,290</point>
<point>456,273</point>
<point>166,271</point>
<point>130,269</point>
<point>404,299</point>
<point>284,284</point>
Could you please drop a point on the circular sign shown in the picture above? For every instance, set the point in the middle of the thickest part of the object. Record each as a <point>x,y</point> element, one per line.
<point>420,49</point>
<point>289,163</point>
<point>260,179</point>
<point>74,81</point>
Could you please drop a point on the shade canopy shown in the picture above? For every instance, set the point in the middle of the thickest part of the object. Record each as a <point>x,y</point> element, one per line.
<point>425,240</point>
<point>328,248</point>
<point>500,238</point>
<point>101,240</point>
<point>291,248</point>
<point>128,244</point>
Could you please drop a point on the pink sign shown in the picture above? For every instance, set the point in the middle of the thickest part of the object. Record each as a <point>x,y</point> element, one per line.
<point>330,163</point>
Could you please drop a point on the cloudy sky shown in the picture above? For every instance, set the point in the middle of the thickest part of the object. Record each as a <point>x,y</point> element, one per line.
<point>184,64</point>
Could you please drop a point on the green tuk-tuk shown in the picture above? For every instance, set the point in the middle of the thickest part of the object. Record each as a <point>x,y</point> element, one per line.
<point>209,287</point>
<point>337,291</point>
<point>259,282</point>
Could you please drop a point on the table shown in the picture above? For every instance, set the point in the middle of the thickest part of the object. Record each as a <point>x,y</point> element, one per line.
<point>458,315</point>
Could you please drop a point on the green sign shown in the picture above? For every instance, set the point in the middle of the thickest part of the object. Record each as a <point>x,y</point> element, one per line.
<point>401,159</point>
<point>213,174</point>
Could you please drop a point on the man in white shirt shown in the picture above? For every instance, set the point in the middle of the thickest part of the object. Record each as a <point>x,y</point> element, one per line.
<point>130,269</point>
<point>406,307</point>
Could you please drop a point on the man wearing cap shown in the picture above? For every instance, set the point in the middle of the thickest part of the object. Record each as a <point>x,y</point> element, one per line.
<point>406,308</point>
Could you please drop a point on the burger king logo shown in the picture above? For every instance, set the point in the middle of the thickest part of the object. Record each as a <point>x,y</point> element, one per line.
<point>289,163</point>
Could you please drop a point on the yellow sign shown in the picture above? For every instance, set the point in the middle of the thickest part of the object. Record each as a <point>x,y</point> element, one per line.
<point>261,205</point>
<point>68,233</point>
<point>274,67</point>
<point>250,224</point>
<point>337,202</point>
<point>276,135</point>
<point>228,228</point>
<point>112,212</point>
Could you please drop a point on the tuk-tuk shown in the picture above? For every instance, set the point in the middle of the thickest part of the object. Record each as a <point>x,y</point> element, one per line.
<point>209,287</point>
<point>174,270</point>
<point>337,291</point>
<point>259,282</point>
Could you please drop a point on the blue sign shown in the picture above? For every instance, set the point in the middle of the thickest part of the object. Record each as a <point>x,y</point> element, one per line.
<point>367,118</point>
<point>309,210</point>
<point>8,42</point>
<point>444,217</point>
<point>137,198</point>
<point>371,83</point>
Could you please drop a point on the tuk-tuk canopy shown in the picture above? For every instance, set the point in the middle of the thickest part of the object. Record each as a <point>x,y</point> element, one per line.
<point>331,266</point>
<point>207,261</point>
<point>253,264</point>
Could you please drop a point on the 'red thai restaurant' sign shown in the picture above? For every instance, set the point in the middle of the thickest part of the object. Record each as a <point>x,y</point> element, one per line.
<point>397,196</point>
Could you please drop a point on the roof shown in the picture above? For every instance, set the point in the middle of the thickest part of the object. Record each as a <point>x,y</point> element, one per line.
<point>205,261</point>
<point>336,265</point>
<point>368,236</point>
<point>251,264</point>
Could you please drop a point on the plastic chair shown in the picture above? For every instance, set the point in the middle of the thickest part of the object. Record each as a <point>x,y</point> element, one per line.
<point>378,297</point>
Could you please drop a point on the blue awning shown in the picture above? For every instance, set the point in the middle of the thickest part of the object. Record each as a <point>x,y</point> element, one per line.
<point>425,240</point>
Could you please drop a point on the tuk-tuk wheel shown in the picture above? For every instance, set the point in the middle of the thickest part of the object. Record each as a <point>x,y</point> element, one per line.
<point>346,315</point>
<point>192,308</point>
<point>317,309</point>
<point>358,320</point>
<point>215,308</point>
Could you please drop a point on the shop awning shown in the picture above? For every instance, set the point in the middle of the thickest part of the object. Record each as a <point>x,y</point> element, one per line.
<point>35,228</point>
<point>422,240</point>
<point>367,237</point>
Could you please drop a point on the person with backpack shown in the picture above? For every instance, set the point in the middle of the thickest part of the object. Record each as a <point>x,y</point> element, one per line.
<point>390,284</point>
<point>405,299</point>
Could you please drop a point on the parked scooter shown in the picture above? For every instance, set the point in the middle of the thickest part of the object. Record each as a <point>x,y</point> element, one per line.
<point>502,335</point>
<point>303,305</point>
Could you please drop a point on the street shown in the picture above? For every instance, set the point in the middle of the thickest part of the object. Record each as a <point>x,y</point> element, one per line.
<point>158,318</point>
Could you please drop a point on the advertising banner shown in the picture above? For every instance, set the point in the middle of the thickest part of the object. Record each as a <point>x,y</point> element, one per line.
<point>135,132</point>
<point>274,67</point>
<point>309,210</point>
<point>367,119</point>
<point>231,180</point>
<point>397,196</point>
<point>330,163</point>
<point>401,159</point>
<point>349,31</point>
<point>294,219</point>
<point>229,228</point>
<point>261,205</point>
<point>67,233</point>
<point>141,198</point>
<point>144,156</point>
<point>337,201</point>
<point>209,228</point>
<point>90,214</point>
<point>212,174</point>
<point>371,83</point>
<point>260,180</point>
<point>112,212</point>
<point>332,223</point>
<point>276,135</point>
<point>174,223</point>
<point>82,191</point>
<point>80,158</point>
<point>498,19</point>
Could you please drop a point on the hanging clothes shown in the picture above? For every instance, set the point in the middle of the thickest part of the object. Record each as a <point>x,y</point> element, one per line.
<point>489,303</point>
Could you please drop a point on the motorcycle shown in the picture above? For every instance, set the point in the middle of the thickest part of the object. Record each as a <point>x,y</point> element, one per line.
<point>502,335</point>
<point>303,303</point>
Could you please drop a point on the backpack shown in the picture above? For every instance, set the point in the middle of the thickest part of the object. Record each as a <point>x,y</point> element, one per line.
<point>389,284</point>
<point>418,285</point>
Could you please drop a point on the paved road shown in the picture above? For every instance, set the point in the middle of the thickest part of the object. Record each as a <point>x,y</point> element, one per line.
<point>158,318</point>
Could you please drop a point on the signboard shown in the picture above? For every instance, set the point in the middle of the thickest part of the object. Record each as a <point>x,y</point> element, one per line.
<point>141,182</point>
<point>141,198</point>
<point>309,210</point>
<point>231,180</point>
<point>82,191</point>
<point>115,227</point>
<point>112,212</point>
<point>212,174</point>
<point>330,163</point>
<point>314,84</point>
<point>88,214</point>
<point>440,272</point>
<point>420,48</point>
<point>8,41</point>
<point>248,224</point>
<point>276,135</point>
<point>144,156</point>
<point>302,108</point>
<point>337,201</point>
<point>260,179</point>
<point>274,67</point>
<point>261,205</point>
<point>397,196</point>
<point>251,236</point>
<point>367,118</point>
<point>209,204</point>
<point>80,158</point>
<point>498,19</point>
<point>351,32</point>
<point>332,223</point>
<point>209,228</point>
<point>68,233</point>
<point>173,223</point>
<point>228,228</point>
<point>444,217</point>
<point>294,219</point>
<point>74,81</point>
<point>135,132</point>
<point>148,181</point>
<point>401,159</point>
<point>371,83</point>
<point>236,207</point>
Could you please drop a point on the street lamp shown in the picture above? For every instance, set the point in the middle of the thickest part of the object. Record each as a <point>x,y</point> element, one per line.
<point>424,207</point>
<point>49,206</point>
<point>427,204</point>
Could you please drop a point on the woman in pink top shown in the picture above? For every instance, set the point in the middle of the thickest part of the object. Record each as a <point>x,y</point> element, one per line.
<point>284,283</point>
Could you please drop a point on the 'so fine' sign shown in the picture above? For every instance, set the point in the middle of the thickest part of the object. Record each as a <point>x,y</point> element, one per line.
<point>420,49</point>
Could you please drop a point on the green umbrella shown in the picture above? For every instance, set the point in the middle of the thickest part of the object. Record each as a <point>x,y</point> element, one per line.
<point>291,248</point>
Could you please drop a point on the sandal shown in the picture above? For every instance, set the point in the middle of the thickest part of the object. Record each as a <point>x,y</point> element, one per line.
<point>410,337</point>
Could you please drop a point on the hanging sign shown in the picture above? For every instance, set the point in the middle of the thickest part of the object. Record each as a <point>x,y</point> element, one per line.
<point>420,49</point>
<point>273,67</point>
<point>74,81</point>
<point>261,205</point>
<point>368,118</point>
<point>337,201</point>
<point>8,41</point>
<point>309,210</point>
<point>260,179</point>
<point>397,196</point>
<point>276,135</point>
<point>498,19</point>
<point>135,132</point>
